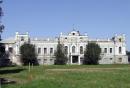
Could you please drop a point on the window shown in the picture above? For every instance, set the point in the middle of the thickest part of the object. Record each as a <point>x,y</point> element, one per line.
<point>110,50</point>
<point>39,60</point>
<point>120,50</point>
<point>73,49</point>
<point>119,39</point>
<point>120,59</point>
<point>45,50</point>
<point>45,60</point>
<point>39,50</point>
<point>73,33</point>
<point>22,38</point>
<point>10,50</point>
<point>81,37</point>
<point>81,49</point>
<point>51,50</point>
<point>66,49</point>
<point>105,50</point>
<point>51,60</point>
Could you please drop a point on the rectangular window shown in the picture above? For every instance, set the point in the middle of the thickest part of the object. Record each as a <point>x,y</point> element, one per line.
<point>39,50</point>
<point>105,50</point>
<point>120,60</point>
<point>10,50</point>
<point>66,49</point>
<point>110,58</point>
<point>45,60</point>
<point>45,50</point>
<point>81,49</point>
<point>110,50</point>
<point>120,50</point>
<point>51,50</point>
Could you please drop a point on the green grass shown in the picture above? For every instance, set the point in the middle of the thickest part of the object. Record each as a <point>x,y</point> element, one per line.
<point>70,76</point>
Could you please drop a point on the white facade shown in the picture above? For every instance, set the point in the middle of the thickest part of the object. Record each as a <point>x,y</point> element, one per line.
<point>113,50</point>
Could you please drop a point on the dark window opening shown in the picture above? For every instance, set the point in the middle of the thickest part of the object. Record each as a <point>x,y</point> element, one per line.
<point>45,50</point>
<point>22,38</point>
<point>66,49</point>
<point>110,50</point>
<point>105,50</point>
<point>120,40</point>
<point>51,50</point>
<point>10,50</point>
<point>39,50</point>
<point>81,49</point>
<point>120,50</point>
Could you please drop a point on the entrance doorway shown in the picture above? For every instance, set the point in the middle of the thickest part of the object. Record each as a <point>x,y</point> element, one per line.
<point>74,59</point>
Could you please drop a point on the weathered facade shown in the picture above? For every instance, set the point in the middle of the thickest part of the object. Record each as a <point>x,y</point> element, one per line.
<point>113,49</point>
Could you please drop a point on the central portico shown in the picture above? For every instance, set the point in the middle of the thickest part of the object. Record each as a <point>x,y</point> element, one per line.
<point>74,44</point>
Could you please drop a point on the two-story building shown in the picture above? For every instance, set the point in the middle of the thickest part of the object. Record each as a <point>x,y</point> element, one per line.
<point>113,49</point>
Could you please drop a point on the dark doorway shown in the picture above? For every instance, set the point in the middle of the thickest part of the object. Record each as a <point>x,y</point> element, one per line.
<point>74,59</point>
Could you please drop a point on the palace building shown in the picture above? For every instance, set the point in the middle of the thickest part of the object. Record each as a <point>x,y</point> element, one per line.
<point>113,50</point>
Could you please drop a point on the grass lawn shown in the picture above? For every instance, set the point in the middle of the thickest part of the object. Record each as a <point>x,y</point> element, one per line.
<point>73,76</point>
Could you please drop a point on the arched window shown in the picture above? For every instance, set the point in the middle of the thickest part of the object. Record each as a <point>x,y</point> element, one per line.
<point>73,49</point>
<point>120,40</point>
<point>81,49</point>
<point>22,38</point>
<point>66,49</point>
<point>120,50</point>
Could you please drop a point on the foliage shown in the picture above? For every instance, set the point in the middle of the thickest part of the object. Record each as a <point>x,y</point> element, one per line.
<point>60,56</point>
<point>92,54</point>
<point>28,54</point>
<point>128,54</point>
<point>2,49</point>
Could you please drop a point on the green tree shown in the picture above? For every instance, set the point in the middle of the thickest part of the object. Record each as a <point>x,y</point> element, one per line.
<point>60,56</point>
<point>92,54</point>
<point>28,54</point>
<point>128,54</point>
<point>3,60</point>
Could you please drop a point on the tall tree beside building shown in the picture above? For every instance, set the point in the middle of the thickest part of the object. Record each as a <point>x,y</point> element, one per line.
<point>61,58</point>
<point>92,54</point>
<point>28,54</point>
<point>128,54</point>
<point>1,14</point>
<point>3,61</point>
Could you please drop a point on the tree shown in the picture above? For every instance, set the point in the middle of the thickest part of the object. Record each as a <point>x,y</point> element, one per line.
<point>28,54</point>
<point>61,58</point>
<point>3,56</point>
<point>128,54</point>
<point>92,54</point>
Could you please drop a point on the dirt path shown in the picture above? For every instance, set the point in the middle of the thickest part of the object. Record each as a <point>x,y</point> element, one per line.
<point>89,69</point>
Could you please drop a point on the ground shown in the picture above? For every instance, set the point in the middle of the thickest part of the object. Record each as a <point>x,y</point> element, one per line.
<point>57,76</point>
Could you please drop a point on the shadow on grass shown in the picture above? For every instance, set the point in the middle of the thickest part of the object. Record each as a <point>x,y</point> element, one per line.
<point>11,71</point>
<point>4,81</point>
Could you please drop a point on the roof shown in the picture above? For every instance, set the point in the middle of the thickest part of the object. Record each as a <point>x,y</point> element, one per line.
<point>9,40</point>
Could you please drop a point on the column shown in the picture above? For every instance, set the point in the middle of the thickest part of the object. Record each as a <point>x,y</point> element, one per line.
<point>70,59</point>
<point>79,60</point>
